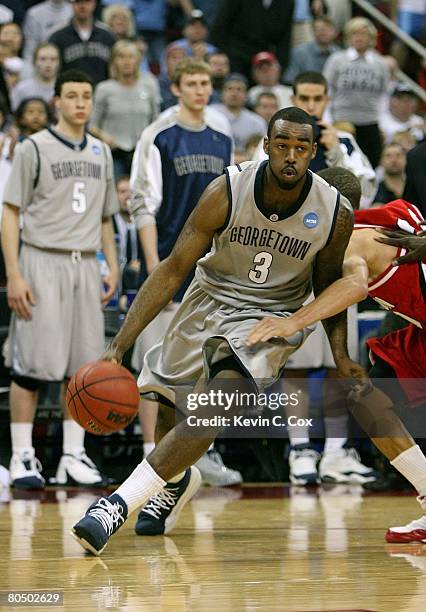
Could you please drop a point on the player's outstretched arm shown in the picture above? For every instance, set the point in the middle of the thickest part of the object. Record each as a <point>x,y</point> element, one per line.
<point>416,245</point>
<point>160,287</point>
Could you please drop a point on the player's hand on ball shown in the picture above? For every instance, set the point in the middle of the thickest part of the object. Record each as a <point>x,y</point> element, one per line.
<point>20,297</point>
<point>271,327</point>
<point>112,354</point>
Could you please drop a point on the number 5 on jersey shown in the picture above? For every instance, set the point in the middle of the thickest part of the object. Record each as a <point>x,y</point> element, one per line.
<point>260,272</point>
<point>79,197</point>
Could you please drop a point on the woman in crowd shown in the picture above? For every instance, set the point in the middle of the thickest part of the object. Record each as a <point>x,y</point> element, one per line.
<point>357,80</point>
<point>124,105</point>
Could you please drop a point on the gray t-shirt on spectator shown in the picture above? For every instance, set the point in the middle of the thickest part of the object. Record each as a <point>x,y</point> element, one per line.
<point>31,88</point>
<point>124,112</point>
<point>40,21</point>
<point>244,126</point>
<point>356,84</point>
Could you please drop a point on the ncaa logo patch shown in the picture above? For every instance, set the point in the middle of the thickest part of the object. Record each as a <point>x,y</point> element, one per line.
<point>96,150</point>
<point>310,220</point>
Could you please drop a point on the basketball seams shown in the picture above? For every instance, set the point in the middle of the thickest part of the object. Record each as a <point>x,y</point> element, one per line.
<point>80,390</point>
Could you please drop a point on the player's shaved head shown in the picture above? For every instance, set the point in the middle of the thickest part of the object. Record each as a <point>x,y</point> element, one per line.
<point>293,115</point>
<point>344,181</point>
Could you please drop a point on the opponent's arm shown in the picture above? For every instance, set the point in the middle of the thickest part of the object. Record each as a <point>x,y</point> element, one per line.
<point>348,290</point>
<point>159,288</point>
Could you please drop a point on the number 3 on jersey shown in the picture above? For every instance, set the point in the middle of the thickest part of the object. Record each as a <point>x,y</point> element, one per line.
<point>79,197</point>
<point>260,272</point>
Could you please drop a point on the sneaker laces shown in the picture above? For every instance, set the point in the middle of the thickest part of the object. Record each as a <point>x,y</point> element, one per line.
<point>308,453</point>
<point>164,500</point>
<point>31,463</point>
<point>109,515</point>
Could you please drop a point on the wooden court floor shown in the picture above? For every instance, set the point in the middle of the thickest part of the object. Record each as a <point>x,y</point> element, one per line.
<point>254,548</point>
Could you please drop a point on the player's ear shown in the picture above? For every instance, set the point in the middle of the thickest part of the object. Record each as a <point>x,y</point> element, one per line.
<point>314,150</point>
<point>266,145</point>
<point>57,102</point>
<point>175,90</point>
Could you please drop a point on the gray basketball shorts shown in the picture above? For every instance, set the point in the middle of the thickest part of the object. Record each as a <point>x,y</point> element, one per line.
<point>205,331</point>
<point>67,325</point>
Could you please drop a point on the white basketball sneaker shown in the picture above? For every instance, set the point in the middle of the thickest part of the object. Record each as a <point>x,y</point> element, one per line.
<point>215,473</point>
<point>415,531</point>
<point>303,464</point>
<point>345,466</point>
<point>25,471</point>
<point>79,470</point>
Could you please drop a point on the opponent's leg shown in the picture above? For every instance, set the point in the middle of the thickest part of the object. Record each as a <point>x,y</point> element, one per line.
<point>375,414</point>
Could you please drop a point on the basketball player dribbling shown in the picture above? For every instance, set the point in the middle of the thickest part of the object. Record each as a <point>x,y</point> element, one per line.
<point>277,229</point>
<point>369,269</point>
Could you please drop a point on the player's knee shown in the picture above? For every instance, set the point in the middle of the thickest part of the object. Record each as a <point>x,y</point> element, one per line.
<point>26,382</point>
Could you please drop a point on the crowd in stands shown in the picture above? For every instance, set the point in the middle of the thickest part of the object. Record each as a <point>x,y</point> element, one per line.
<point>323,56</point>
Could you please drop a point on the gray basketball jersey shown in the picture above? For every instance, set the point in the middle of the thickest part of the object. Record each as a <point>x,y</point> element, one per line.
<point>265,260</point>
<point>63,190</point>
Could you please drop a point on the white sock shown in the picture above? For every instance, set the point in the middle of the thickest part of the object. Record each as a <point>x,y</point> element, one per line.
<point>336,432</point>
<point>73,442</point>
<point>298,435</point>
<point>142,484</point>
<point>148,447</point>
<point>412,464</point>
<point>21,434</point>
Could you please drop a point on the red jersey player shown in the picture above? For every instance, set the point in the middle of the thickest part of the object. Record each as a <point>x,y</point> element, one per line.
<point>369,269</point>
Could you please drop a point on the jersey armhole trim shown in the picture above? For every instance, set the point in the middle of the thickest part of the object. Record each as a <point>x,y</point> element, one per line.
<point>333,222</point>
<point>37,176</point>
<point>229,213</point>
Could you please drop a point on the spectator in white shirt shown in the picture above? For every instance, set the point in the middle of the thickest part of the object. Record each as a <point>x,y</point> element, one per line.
<point>401,114</point>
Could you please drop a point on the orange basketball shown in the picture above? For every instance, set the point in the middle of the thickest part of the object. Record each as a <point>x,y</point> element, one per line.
<point>102,397</point>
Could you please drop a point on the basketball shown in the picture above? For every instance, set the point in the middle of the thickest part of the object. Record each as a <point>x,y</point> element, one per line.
<point>102,397</point>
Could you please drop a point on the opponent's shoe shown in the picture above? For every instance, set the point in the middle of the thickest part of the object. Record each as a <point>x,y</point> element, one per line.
<point>303,464</point>
<point>25,471</point>
<point>345,466</point>
<point>415,531</point>
<point>215,473</point>
<point>103,518</point>
<point>160,513</point>
<point>79,470</point>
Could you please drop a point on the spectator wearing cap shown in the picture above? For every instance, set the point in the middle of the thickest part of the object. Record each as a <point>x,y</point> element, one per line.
<point>41,20</point>
<point>85,44</point>
<point>266,75</point>
<point>357,79</point>
<point>401,114</point>
<point>173,55</point>
<point>195,35</point>
<point>220,69</point>
<point>242,32</point>
<point>311,56</point>
<point>244,123</point>
<point>12,70</point>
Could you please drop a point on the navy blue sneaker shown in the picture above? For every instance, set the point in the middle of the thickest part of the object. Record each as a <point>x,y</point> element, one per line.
<point>160,513</point>
<point>103,518</point>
